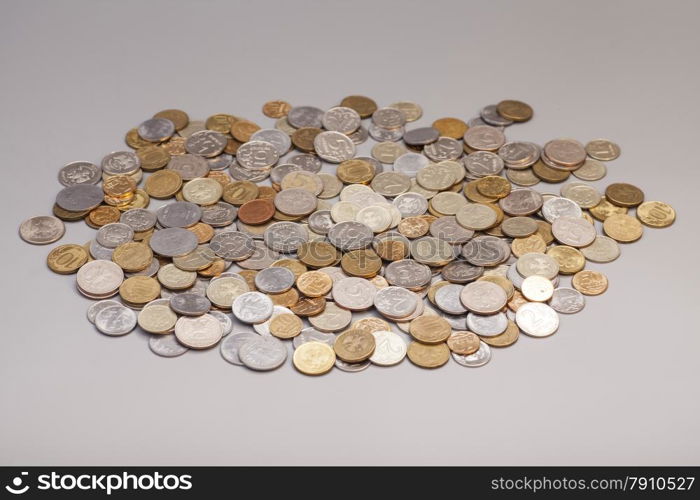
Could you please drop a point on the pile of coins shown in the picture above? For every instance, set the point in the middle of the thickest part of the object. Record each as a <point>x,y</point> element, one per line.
<point>438,232</point>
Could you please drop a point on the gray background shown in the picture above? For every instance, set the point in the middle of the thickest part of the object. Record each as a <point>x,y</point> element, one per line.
<point>616,385</point>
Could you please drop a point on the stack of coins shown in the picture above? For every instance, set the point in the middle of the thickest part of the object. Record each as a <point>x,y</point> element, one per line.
<point>433,244</point>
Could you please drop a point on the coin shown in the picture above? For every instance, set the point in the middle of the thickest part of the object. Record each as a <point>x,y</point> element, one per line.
<point>656,214</point>
<point>314,283</point>
<point>602,149</point>
<point>430,329</point>
<point>623,228</point>
<point>285,326</point>
<point>537,319</point>
<point>354,346</point>
<point>479,358</point>
<point>624,195</point>
<point>390,348</point>
<point>314,358</point>
<point>42,230</point>
<point>166,346</point>
<point>276,109</point>
<point>230,346</point>
<point>252,307</point>
<point>332,319</point>
<point>516,111</point>
<point>603,249</point>
<point>567,300</point>
<point>274,280</point>
<point>428,356</point>
<point>200,332</point>
<point>464,343</point>
<point>590,282</point>
<point>483,297</point>
<point>537,288</point>
<point>157,319</point>
<point>115,320</point>
<point>505,339</point>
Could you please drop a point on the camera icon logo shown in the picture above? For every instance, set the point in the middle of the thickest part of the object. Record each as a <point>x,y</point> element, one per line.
<point>16,488</point>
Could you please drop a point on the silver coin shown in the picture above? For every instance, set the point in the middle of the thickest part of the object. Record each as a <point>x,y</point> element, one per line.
<point>332,319</point>
<point>479,358</point>
<point>350,235</point>
<point>264,327</point>
<point>573,231</point>
<point>515,277</point>
<point>320,222</point>
<point>206,143</point>
<point>603,249</point>
<point>274,280</point>
<point>556,207</point>
<point>262,257</point>
<point>519,154</point>
<point>99,278</point>
<point>257,155</point>
<point>445,148</point>
<point>410,163</point>
<point>484,137</point>
<point>355,294</point>
<point>231,345</point>
<point>189,166</point>
<point>421,136</point>
<point>408,274</point>
<point>232,245</point>
<point>166,346</point>
<point>42,230</point>
<point>341,119</point>
<point>277,138</point>
<point>263,353</point>
<point>179,214</point>
<point>220,162</point>
<point>524,177</point>
<point>519,227</point>
<point>567,300</point>
<point>285,237</point>
<point>156,129</point>
<point>219,214</point>
<point>114,234</point>
<point>537,319</point>
<point>591,170</point>
<point>521,201</point>
<point>334,147</point>
<point>252,307</point>
<point>537,264</point>
<point>390,349</point>
<point>96,307</point>
<point>151,270</point>
<point>173,242</point>
<point>381,134</point>
<point>240,173</point>
<point>100,252</point>
<point>115,320</point>
<point>80,197</point>
<point>477,122</point>
<point>487,325</point>
<point>305,116</point>
<point>395,302</point>
<point>295,202</point>
<point>359,136</point>
<point>483,297</point>
<point>584,195</point>
<point>411,204</point>
<point>281,171</point>
<point>486,251</point>
<point>200,332</point>
<point>313,335</point>
<point>389,118</point>
<point>489,114</point>
<point>461,272</point>
<point>483,163</point>
<point>351,367</point>
<point>190,304</point>
<point>457,321</point>
<point>79,172</point>
<point>139,219</point>
<point>120,163</point>
<point>306,161</point>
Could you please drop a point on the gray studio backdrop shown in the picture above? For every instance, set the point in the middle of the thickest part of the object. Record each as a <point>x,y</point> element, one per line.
<point>616,385</point>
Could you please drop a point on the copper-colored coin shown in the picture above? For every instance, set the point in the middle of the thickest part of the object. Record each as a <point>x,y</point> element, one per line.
<point>249,276</point>
<point>285,299</point>
<point>153,157</point>
<point>590,282</point>
<point>450,127</point>
<point>413,227</point>
<point>239,192</point>
<point>203,231</point>
<point>570,259</point>
<point>232,146</point>
<point>354,345</point>
<point>221,123</point>
<point>390,249</point>
<point>508,337</point>
<point>428,356</point>
<point>243,130</point>
<point>464,343</point>
<point>133,257</point>
<point>103,214</point>
<point>175,146</point>
<point>309,306</point>
<point>623,228</point>
<point>314,283</point>
<point>548,174</point>
<point>355,171</point>
<point>624,195</point>
<point>363,105</point>
<point>139,290</point>
<point>266,193</point>
<point>286,325</point>
<point>363,263</point>
<point>178,117</point>
<point>256,211</point>
<point>119,185</point>
<point>67,259</point>
<point>430,329</point>
<point>517,111</point>
<point>215,269</point>
<point>493,186</point>
<point>318,254</point>
<point>163,184</point>
<point>303,138</point>
<point>276,109</point>
<point>297,267</point>
<point>656,214</point>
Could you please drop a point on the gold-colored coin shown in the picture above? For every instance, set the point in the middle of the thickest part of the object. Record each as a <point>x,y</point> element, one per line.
<point>153,157</point>
<point>221,177</point>
<point>104,214</point>
<point>221,123</point>
<point>215,269</point>
<point>276,109</point>
<point>314,283</point>
<point>177,116</point>
<point>548,174</point>
<point>140,200</point>
<point>67,259</point>
<point>450,127</point>
<point>243,130</point>
<point>656,214</point>
<point>297,267</point>
<point>203,232</point>
<point>175,146</point>
<point>353,346</point>
<point>303,138</point>
<point>391,249</point>
<point>501,281</point>
<point>570,259</point>
<point>238,192</point>
<point>134,140</point>
<point>493,186</point>
<point>545,231</point>
<point>532,244</point>
<point>355,171</point>
<point>174,278</point>
<point>430,329</point>
<point>202,191</point>
<point>508,337</point>
<point>624,195</point>
<point>318,254</point>
<point>413,227</point>
<point>266,193</point>
<point>157,319</point>
<point>133,257</point>
<point>139,290</point>
<point>623,228</point>
<point>67,215</point>
<point>473,194</point>
<point>370,325</point>
<point>428,356</point>
<point>285,299</point>
<point>314,358</point>
<point>286,325</point>
<point>249,276</point>
<point>605,209</point>
<point>363,263</point>
<point>464,343</point>
<point>363,105</point>
<point>198,259</point>
<point>590,282</point>
<point>163,184</point>
<point>517,111</point>
<point>118,186</point>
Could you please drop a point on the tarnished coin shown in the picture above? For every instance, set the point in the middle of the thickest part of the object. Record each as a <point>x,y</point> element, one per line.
<point>656,214</point>
<point>623,194</point>
<point>190,304</point>
<point>390,348</point>
<point>354,346</point>
<point>486,251</point>
<point>80,197</point>
<point>314,358</point>
<point>565,153</point>
<point>567,300</point>
<point>231,345</point>
<point>537,319</point>
<point>334,147</point>
<point>428,356</point>
<point>115,320</point>
<point>305,116</point>
<point>200,332</point>
<point>479,358</point>
<point>42,230</point>
<point>514,110</point>
<point>484,138</point>
<point>602,149</point>
<point>590,282</point>
<point>207,143</point>
<point>252,307</point>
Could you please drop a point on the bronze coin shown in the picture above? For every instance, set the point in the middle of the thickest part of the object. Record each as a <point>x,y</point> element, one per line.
<point>256,211</point>
<point>363,105</point>
<point>276,109</point>
<point>309,306</point>
<point>624,195</point>
<point>303,138</point>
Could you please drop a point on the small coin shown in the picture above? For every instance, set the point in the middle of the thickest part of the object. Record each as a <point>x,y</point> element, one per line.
<point>430,329</point>
<point>231,345</point>
<point>537,319</point>
<point>656,214</point>
<point>390,348</point>
<point>624,195</point>
<point>200,332</point>
<point>42,230</point>
<point>602,149</point>
<point>428,356</point>
<point>166,346</point>
<point>590,282</point>
<point>464,343</point>
<point>276,109</point>
<point>314,358</point>
<point>115,320</point>
<point>514,110</point>
<point>479,358</point>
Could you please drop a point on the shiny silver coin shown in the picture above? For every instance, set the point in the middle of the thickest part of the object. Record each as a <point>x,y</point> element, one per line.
<point>200,332</point>
<point>320,222</point>
<point>42,230</point>
<point>80,197</point>
<point>341,119</point>
<point>355,294</point>
<point>487,325</point>
<point>166,346</point>
<point>334,147</point>
<point>179,214</point>
<point>231,345</point>
<point>219,214</point>
<point>232,245</point>
<point>189,166</point>
<point>305,116</point>
<point>411,204</point>
<point>390,348</point>
<point>573,231</point>
<point>483,163</point>
<point>274,280</point>
<point>479,358</point>
<point>139,219</point>
<point>257,155</point>
<point>156,129</point>
<point>395,302</point>
<point>447,298</point>
<point>263,353</point>
<point>120,163</point>
<point>313,335</point>
<point>96,307</point>
<point>489,114</point>
<point>556,207</point>
<point>445,148</point>
<point>115,320</point>
<point>190,304</point>
<point>173,242</point>
<point>252,307</point>
<point>567,300</point>
<point>537,319</point>
<point>100,252</point>
<point>114,234</point>
<point>239,173</point>
<point>277,138</point>
<point>381,134</point>
<point>79,172</point>
<point>225,320</point>
<point>206,143</point>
